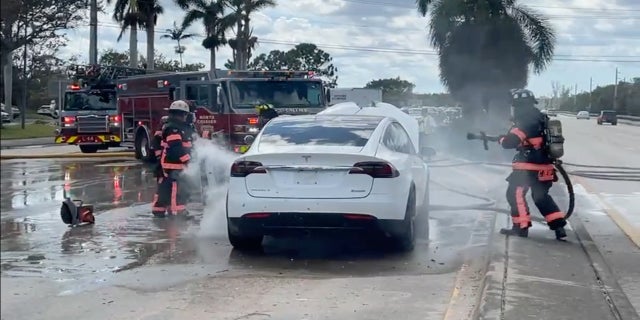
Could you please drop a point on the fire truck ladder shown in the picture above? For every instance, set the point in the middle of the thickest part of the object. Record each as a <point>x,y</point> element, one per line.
<point>97,74</point>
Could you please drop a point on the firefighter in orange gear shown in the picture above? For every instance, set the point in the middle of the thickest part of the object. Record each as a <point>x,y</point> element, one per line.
<point>175,155</point>
<point>532,168</point>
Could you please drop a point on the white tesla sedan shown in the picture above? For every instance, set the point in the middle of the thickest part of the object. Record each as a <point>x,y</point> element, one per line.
<point>328,172</point>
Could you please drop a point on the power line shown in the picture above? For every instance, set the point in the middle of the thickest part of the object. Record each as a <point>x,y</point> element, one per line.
<point>428,53</point>
<point>397,5</point>
<point>421,29</point>
<point>416,52</point>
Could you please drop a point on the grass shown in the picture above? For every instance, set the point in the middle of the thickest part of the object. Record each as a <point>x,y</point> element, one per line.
<point>37,129</point>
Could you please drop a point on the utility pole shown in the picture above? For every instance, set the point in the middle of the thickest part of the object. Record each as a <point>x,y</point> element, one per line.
<point>615,92</point>
<point>93,32</point>
<point>590,92</point>
<point>25,82</point>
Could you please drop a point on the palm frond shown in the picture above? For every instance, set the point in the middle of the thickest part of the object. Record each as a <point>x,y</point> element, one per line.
<point>423,6</point>
<point>539,32</point>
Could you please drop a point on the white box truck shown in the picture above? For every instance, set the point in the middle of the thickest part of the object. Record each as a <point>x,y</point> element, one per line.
<point>361,96</point>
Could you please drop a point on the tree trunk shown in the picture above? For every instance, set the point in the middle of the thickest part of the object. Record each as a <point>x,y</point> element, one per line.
<point>180,54</point>
<point>245,42</point>
<point>8,83</point>
<point>238,51</point>
<point>212,62</point>
<point>133,46</point>
<point>150,43</point>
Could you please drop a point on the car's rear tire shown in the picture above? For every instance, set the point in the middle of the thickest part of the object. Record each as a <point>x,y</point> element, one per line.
<point>243,242</point>
<point>406,240</point>
<point>614,123</point>
<point>88,149</point>
<point>599,123</point>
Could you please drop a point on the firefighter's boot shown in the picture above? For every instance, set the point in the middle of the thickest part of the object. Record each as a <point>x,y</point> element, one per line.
<point>515,231</point>
<point>561,234</point>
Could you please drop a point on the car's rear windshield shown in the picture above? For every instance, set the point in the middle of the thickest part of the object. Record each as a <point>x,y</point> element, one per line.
<point>609,113</point>
<point>324,131</point>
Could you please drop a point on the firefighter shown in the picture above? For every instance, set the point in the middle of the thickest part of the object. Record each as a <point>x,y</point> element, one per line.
<point>157,145</point>
<point>266,112</point>
<point>175,155</point>
<point>532,168</point>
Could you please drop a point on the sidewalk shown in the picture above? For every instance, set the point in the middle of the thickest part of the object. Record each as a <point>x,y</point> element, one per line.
<point>17,143</point>
<point>594,275</point>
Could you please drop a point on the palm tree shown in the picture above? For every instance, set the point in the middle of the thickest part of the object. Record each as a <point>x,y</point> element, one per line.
<point>486,47</point>
<point>242,11</point>
<point>177,34</point>
<point>212,15</point>
<point>127,13</point>
<point>150,9</point>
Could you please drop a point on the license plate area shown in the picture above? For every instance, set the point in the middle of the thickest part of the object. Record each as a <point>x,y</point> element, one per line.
<point>307,177</point>
<point>88,139</point>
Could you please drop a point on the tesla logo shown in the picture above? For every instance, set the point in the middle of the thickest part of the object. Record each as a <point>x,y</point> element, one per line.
<point>306,158</point>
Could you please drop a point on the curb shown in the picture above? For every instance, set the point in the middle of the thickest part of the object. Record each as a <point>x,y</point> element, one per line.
<point>68,155</point>
<point>5,147</point>
<point>619,303</point>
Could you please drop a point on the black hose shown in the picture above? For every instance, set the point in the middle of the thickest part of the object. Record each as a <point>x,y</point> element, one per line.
<point>567,181</point>
<point>491,202</point>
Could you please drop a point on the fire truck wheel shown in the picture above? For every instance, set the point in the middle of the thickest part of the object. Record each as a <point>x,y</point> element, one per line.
<point>143,149</point>
<point>89,149</point>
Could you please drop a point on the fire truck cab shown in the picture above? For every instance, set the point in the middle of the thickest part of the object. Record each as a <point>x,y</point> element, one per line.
<point>226,106</point>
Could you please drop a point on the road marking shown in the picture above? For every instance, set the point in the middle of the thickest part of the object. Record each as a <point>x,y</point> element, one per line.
<point>630,231</point>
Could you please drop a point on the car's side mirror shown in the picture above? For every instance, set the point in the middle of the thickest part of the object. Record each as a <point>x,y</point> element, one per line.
<point>249,139</point>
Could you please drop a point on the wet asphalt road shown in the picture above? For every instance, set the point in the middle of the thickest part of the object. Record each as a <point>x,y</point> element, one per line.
<point>126,247</point>
<point>130,266</point>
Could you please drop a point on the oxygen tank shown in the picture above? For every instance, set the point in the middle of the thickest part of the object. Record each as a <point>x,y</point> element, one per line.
<point>554,138</point>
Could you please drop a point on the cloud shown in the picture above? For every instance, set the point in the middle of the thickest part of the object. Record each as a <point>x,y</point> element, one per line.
<point>372,39</point>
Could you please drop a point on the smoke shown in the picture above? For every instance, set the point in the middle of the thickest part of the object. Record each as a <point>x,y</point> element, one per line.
<point>209,169</point>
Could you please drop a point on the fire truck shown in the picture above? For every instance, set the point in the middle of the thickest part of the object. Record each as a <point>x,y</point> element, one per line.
<point>110,106</point>
<point>89,115</point>
<point>224,106</point>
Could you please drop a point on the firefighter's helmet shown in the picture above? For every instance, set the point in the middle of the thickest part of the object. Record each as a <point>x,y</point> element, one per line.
<point>263,107</point>
<point>179,105</point>
<point>522,97</point>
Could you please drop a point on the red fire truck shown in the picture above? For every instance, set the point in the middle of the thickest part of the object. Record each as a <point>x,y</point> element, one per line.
<point>224,107</point>
<point>124,107</point>
<point>89,114</point>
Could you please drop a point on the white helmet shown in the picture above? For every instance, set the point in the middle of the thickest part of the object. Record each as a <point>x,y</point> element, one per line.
<point>179,105</point>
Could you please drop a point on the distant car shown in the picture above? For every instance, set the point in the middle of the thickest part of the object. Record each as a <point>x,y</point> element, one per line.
<point>5,117</point>
<point>608,116</point>
<point>583,115</point>
<point>14,110</point>
<point>349,172</point>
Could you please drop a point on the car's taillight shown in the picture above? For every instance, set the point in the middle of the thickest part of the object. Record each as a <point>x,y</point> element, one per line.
<point>375,169</point>
<point>241,169</point>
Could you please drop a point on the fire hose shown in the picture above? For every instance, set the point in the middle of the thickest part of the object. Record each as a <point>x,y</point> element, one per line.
<point>557,163</point>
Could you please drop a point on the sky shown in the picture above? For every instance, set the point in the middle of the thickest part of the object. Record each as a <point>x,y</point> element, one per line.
<point>374,39</point>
